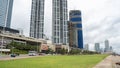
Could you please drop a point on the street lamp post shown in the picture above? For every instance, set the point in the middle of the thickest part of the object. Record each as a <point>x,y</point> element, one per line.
<point>13,50</point>
<point>37,45</point>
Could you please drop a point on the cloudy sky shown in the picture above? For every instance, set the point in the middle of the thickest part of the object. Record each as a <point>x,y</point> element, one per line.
<point>101,19</point>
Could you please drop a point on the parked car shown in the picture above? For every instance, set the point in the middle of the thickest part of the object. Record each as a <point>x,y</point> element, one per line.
<point>32,53</point>
<point>13,55</point>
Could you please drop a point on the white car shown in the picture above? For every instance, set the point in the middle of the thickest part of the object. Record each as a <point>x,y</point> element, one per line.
<point>32,53</point>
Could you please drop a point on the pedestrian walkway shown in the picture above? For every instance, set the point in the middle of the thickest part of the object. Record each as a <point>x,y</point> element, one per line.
<point>108,62</point>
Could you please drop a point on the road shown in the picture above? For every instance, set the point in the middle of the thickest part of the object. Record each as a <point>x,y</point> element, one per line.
<point>7,57</point>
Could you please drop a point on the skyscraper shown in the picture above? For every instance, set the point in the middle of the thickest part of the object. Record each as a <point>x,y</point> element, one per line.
<point>76,32</point>
<point>86,47</point>
<point>107,47</point>
<point>5,12</point>
<point>97,47</point>
<point>37,19</point>
<point>111,49</point>
<point>59,22</point>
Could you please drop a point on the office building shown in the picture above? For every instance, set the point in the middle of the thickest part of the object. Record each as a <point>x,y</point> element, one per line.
<point>8,30</point>
<point>75,29</point>
<point>37,19</point>
<point>97,47</point>
<point>59,22</point>
<point>86,47</point>
<point>5,12</point>
<point>102,50</point>
<point>111,49</point>
<point>107,47</point>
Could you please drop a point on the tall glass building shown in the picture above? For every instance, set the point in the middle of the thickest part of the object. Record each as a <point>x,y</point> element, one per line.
<point>86,47</point>
<point>97,47</point>
<point>107,47</point>
<point>76,31</point>
<point>59,22</point>
<point>37,19</point>
<point>5,12</point>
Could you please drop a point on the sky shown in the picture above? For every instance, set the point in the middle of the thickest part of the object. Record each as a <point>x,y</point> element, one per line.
<point>100,19</point>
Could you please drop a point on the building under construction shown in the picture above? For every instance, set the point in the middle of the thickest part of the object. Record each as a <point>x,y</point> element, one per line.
<point>71,34</point>
<point>75,29</point>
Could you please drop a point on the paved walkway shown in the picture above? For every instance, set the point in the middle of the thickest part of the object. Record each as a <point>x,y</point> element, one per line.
<point>109,62</point>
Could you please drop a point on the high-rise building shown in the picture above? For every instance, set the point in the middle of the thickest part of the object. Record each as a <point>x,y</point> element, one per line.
<point>59,22</point>
<point>75,33</point>
<point>107,47</point>
<point>37,19</point>
<point>5,12</point>
<point>86,47</point>
<point>111,49</point>
<point>97,47</point>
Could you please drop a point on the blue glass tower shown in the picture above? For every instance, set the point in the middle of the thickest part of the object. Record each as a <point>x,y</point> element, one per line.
<point>5,12</point>
<point>75,19</point>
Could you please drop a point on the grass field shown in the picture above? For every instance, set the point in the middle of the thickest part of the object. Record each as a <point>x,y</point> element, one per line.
<point>79,61</point>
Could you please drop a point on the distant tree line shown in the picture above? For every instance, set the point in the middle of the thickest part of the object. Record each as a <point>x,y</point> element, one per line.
<point>74,51</point>
<point>81,52</point>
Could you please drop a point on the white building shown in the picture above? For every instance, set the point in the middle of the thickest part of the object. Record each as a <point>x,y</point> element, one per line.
<point>37,19</point>
<point>59,22</point>
<point>86,47</point>
<point>97,47</point>
<point>107,47</point>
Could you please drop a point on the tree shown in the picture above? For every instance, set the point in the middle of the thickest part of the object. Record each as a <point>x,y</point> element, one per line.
<point>21,46</point>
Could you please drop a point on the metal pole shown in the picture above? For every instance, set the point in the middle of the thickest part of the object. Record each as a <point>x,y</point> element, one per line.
<point>12,45</point>
<point>37,47</point>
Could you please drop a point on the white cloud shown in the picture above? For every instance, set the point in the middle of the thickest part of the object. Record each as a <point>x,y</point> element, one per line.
<point>21,15</point>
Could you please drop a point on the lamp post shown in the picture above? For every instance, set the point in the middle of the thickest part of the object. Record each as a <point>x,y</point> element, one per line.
<point>37,45</point>
<point>13,50</point>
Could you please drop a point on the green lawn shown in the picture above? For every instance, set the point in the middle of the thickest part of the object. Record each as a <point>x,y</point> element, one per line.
<point>79,61</point>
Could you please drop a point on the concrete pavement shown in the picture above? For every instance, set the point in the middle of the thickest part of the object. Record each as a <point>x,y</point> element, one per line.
<point>109,62</point>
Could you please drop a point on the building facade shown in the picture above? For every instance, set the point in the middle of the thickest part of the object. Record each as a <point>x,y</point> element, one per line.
<point>107,47</point>
<point>5,12</point>
<point>37,19</point>
<point>8,30</point>
<point>59,22</point>
<point>14,36</point>
<point>86,47</point>
<point>97,47</point>
<point>111,49</point>
<point>75,32</point>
